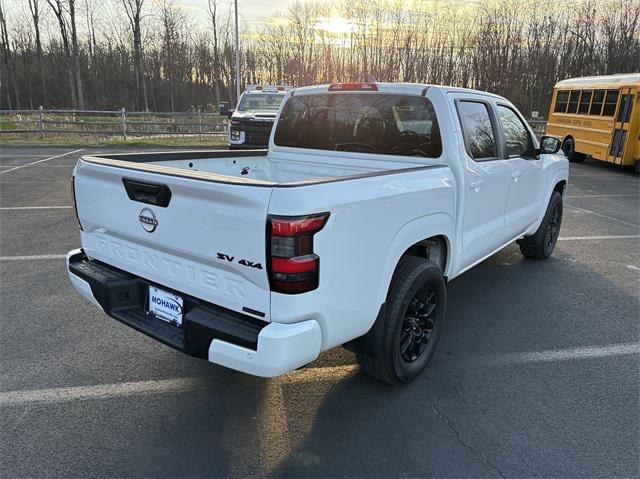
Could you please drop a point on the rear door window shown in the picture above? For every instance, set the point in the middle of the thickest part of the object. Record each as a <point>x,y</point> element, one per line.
<point>380,123</point>
<point>479,135</point>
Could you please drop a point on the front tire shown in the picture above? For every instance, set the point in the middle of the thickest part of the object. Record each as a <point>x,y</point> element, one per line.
<point>569,149</point>
<point>541,244</point>
<point>415,311</point>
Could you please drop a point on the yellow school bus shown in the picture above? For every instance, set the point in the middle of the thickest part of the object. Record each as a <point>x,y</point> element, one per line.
<point>598,117</point>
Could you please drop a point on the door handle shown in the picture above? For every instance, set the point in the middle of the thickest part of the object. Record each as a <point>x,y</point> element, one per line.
<point>516,175</point>
<point>477,184</point>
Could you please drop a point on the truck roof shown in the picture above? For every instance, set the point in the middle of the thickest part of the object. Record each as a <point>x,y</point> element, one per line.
<point>400,88</point>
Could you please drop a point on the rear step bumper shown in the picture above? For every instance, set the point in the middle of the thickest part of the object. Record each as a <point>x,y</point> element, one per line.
<point>211,332</point>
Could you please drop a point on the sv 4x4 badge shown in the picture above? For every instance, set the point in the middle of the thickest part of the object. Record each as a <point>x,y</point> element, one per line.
<point>243,262</point>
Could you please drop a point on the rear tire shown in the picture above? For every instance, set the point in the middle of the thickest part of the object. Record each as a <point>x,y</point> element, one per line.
<point>569,149</point>
<point>413,319</point>
<point>540,245</point>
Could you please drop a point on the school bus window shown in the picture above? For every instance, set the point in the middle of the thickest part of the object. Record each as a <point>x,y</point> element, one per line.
<point>561,101</point>
<point>596,103</point>
<point>585,101</point>
<point>610,102</point>
<point>573,101</point>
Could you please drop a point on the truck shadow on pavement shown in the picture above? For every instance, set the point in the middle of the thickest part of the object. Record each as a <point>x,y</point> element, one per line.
<point>470,415</point>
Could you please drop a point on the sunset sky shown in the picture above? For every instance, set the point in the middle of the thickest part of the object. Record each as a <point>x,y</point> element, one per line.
<point>250,10</point>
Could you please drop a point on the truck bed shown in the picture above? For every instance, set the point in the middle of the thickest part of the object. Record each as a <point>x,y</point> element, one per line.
<point>251,166</point>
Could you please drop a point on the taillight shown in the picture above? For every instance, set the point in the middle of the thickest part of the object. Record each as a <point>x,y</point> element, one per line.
<point>353,87</point>
<point>293,266</point>
<point>73,199</point>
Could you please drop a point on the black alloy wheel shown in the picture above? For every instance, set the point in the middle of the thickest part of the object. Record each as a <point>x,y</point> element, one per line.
<point>418,323</point>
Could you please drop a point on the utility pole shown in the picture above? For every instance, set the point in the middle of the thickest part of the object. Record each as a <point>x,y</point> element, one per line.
<point>237,57</point>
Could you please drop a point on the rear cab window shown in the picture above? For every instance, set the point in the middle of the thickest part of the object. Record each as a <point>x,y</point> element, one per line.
<point>382,123</point>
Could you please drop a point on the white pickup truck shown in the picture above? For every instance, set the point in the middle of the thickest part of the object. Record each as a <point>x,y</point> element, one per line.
<point>370,198</point>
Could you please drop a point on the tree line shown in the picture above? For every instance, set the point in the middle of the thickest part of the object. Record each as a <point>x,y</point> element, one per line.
<point>154,55</point>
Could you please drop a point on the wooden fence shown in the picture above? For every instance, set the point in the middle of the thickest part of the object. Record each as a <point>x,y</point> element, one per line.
<point>122,123</point>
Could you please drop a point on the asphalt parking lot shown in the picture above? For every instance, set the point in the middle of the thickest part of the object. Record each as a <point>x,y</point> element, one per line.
<point>537,372</point>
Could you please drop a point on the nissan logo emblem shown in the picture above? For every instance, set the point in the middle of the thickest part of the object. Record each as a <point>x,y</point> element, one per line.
<point>148,220</point>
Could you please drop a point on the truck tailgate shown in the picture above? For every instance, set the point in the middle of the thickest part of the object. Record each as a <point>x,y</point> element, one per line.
<point>207,242</point>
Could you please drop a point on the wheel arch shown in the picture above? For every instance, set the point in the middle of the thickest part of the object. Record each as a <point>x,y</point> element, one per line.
<point>434,248</point>
<point>557,181</point>
<point>428,237</point>
<point>560,186</point>
<point>419,237</point>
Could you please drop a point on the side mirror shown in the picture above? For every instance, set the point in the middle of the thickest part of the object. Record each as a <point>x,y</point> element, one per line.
<point>549,145</point>
<point>230,113</point>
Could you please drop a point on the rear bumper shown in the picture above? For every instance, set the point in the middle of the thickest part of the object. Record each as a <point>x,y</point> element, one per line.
<point>208,331</point>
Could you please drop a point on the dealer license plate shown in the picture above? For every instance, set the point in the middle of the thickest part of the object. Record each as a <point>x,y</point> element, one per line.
<point>166,306</point>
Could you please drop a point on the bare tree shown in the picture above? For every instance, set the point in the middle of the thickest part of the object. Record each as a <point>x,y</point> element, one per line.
<point>153,54</point>
<point>34,8</point>
<point>8,60</point>
<point>76,54</point>
<point>213,16</point>
<point>133,9</point>
<point>59,11</point>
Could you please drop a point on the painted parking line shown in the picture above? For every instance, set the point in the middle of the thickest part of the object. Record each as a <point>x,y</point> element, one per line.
<point>584,210</point>
<point>587,238</point>
<point>40,166</point>
<point>590,352</point>
<point>37,257</point>
<point>335,373</point>
<point>9,208</point>
<point>44,166</point>
<point>114,390</point>
<point>41,161</point>
<point>101,391</point>
<point>632,195</point>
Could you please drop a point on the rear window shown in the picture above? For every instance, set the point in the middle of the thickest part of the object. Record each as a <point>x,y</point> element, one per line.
<point>361,122</point>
